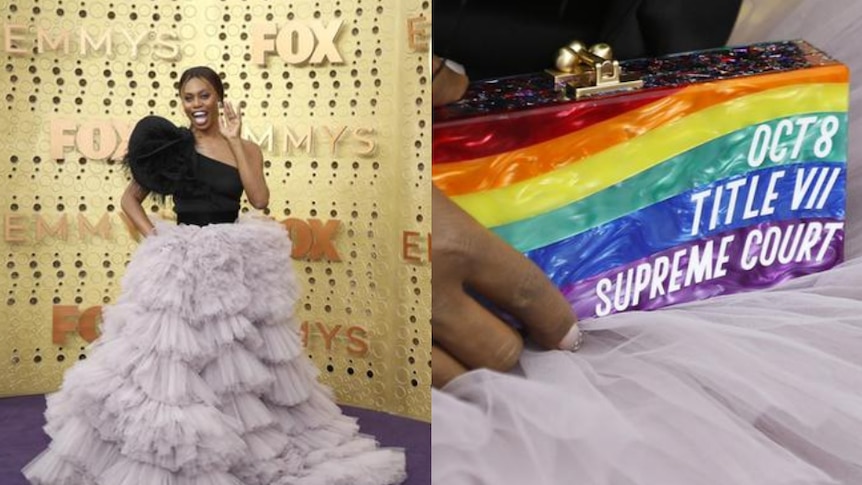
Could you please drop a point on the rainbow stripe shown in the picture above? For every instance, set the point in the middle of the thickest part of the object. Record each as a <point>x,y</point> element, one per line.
<point>728,156</point>
<point>597,187</point>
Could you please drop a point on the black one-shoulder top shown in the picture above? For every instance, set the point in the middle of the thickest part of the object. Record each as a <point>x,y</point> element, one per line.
<point>162,159</point>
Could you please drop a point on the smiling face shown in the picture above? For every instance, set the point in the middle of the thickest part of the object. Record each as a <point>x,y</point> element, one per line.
<point>200,103</point>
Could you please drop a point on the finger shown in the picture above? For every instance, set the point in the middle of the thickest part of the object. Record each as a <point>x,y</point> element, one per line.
<point>503,275</point>
<point>472,334</point>
<point>238,114</point>
<point>444,367</point>
<point>517,285</point>
<point>448,87</point>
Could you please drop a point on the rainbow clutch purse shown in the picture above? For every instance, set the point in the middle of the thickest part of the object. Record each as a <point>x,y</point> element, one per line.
<point>640,184</point>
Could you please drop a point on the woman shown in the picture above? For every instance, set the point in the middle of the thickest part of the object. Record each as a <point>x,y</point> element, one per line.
<point>199,375</point>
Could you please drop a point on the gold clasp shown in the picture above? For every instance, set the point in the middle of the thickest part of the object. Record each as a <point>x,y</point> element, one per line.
<point>589,72</point>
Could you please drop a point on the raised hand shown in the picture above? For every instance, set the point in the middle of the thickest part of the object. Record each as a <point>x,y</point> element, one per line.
<point>231,122</point>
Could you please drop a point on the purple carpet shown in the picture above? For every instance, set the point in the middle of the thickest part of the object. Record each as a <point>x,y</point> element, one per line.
<point>21,424</point>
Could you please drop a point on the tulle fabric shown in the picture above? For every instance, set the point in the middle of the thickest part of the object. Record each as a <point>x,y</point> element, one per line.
<point>199,377</point>
<point>761,388</point>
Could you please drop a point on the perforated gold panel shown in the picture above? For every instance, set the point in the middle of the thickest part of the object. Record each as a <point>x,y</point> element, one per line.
<point>336,93</point>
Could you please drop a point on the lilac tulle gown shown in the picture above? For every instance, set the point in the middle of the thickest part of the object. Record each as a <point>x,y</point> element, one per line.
<point>199,376</point>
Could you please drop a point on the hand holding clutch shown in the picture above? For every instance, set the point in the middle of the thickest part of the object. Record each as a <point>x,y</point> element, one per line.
<point>467,335</point>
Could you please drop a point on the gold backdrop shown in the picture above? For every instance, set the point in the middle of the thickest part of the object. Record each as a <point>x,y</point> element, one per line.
<point>336,93</point>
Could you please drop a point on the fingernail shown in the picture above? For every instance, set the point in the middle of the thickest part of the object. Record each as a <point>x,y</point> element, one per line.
<point>573,339</point>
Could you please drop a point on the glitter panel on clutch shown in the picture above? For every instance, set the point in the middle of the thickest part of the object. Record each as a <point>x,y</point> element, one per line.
<point>530,91</point>
<point>724,173</point>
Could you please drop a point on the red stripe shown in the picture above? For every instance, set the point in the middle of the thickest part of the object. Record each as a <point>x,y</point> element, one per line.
<point>477,137</point>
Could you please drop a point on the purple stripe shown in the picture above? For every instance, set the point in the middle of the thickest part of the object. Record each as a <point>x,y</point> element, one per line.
<point>640,286</point>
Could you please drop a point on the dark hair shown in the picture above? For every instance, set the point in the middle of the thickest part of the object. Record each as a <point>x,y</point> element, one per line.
<point>207,75</point>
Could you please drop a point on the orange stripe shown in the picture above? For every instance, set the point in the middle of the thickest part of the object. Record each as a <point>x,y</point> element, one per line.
<point>509,168</point>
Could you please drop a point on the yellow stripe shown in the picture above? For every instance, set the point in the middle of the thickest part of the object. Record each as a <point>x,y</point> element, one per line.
<point>575,181</point>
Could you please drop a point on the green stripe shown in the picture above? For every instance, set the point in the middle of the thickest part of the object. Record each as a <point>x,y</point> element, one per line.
<point>720,158</point>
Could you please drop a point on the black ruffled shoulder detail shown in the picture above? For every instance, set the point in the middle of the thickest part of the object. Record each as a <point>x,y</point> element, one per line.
<point>161,156</point>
